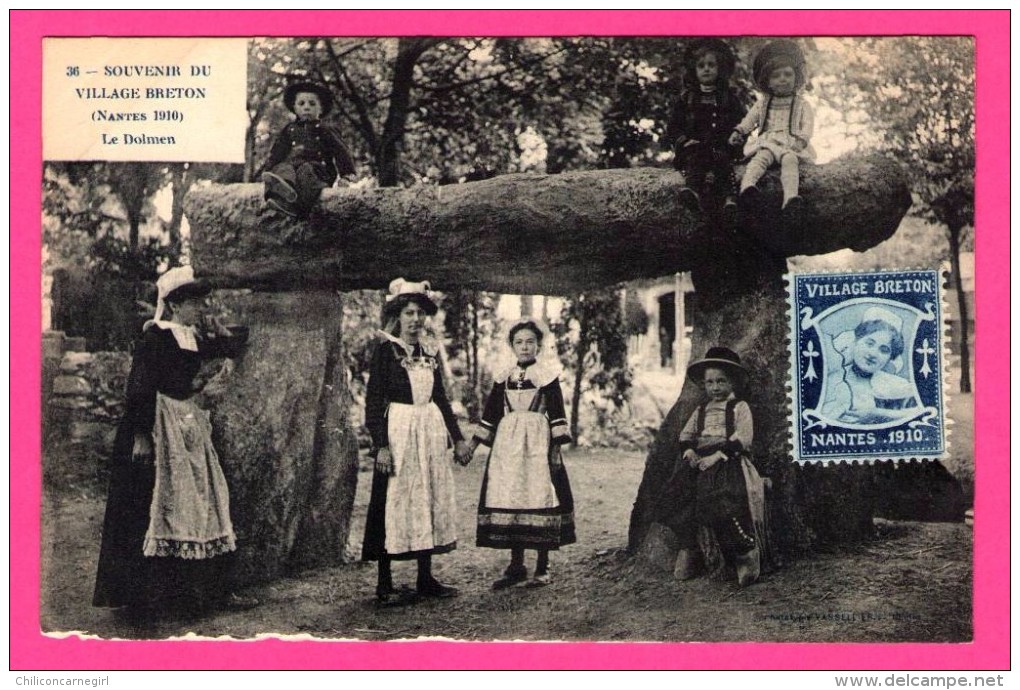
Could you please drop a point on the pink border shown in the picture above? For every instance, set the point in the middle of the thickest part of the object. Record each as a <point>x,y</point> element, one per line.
<point>990,649</point>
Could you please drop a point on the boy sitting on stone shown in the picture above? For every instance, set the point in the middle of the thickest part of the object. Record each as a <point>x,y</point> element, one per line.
<point>307,155</point>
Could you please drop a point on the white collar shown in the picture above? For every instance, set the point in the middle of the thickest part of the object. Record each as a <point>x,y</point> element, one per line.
<point>428,349</point>
<point>539,373</point>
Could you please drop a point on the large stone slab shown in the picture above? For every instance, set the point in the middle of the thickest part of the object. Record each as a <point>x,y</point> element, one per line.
<point>524,233</point>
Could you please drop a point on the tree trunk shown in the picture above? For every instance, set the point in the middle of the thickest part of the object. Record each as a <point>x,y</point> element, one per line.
<point>527,233</point>
<point>388,155</point>
<point>583,344</point>
<point>527,306</point>
<point>180,183</point>
<point>961,299</point>
<point>249,153</point>
<point>134,221</point>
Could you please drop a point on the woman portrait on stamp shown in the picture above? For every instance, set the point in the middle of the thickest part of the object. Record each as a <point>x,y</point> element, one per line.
<point>167,527</point>
<point>412,510</point>
<point>866,388</point>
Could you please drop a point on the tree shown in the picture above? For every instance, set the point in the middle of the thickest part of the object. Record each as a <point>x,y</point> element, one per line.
<point>469,324</point>
<point>916,95</point>
<point>592,342</point>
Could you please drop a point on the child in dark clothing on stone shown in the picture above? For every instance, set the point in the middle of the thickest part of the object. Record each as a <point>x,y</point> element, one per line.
<point>700,125</point>
<point>307,155</point>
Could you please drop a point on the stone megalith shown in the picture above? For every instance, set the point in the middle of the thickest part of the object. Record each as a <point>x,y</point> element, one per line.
<point>283,429</point>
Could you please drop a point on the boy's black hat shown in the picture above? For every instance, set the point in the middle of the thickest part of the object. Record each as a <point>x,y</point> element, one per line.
<point>775,54</point>
<point>305,86</point>
<point>710,44</point>
<point>718,357</point>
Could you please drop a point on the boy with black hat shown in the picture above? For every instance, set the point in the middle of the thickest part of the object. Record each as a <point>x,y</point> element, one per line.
<point>308,154</point>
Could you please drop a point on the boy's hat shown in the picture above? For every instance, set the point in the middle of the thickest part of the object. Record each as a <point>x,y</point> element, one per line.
<point>727,60</point>
<point>402,292</point>
<point>718,357</point>
<point>778,53</point>
<point>304,86</point>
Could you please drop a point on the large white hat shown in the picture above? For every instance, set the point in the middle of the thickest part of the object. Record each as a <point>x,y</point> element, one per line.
<point>403,291</point>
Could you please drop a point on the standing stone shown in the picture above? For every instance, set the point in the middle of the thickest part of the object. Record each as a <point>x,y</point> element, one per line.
<point>282,430</point>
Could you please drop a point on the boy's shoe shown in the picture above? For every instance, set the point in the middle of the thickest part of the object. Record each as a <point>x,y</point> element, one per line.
<point>689,199</point>
<point>729,213</point>
<point>436,589</point>
<point>405,596</point>
<point>539,580</point>
<point>512,576</point>
<point>748,567</point>
<point>686,567</point>
<point>750,197</point>
<point>793,212</point>
<point>276,186</point>
<point>281,208</point>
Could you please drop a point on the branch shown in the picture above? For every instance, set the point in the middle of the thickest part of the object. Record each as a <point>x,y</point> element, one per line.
<point>364,118</point>
<point>476,80</point>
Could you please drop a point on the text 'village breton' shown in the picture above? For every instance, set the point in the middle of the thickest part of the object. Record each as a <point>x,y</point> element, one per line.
<point>134,103</point>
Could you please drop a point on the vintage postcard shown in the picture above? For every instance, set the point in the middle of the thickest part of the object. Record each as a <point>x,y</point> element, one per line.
<point>503,327</point>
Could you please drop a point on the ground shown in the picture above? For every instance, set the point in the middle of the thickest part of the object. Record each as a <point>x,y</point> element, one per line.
<point>912,582</point>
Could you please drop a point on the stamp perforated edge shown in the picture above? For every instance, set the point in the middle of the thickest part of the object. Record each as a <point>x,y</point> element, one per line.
<point>793,368</point>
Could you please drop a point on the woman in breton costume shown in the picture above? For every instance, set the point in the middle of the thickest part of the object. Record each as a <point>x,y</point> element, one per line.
<point>526,502</point>
<point>867,388</point>
<point>412,510</point>
<point>167,528</point>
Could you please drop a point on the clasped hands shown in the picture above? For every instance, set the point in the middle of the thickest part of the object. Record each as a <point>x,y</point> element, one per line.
<point>702,464</point>
<point>462,453</point>
<point>213,325</point>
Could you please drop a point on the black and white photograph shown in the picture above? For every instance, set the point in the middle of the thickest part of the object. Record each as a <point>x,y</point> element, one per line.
<point>489,339</point>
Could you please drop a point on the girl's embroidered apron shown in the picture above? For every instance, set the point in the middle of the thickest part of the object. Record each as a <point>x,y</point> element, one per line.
<point>519,462</point>
<point>190,512</point>
<point>420,499</point>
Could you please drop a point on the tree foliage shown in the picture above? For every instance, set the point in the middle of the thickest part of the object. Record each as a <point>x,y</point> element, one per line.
<point>916,97</point>
<point>592,344</point>
<point>470,325</point>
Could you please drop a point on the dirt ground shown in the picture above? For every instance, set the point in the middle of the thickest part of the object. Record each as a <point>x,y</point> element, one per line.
<point>911,583</point>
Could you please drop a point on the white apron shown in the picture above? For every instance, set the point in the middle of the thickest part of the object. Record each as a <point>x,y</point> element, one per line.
<point>420,497</point>
<point>190,512</point>
<point>518,473</point>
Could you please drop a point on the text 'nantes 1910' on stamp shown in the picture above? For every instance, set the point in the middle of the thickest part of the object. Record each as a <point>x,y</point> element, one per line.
<point>867,374</point>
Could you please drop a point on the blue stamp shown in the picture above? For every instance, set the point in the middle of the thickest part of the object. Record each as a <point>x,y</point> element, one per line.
<point>867,366</point>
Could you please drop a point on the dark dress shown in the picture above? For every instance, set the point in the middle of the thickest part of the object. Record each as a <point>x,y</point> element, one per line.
<point>525,500</point>
<point>126,577</point>
<point>718,496</point>
<point>423,487</point>
<point>708,118</point>
<point>309,155</point>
